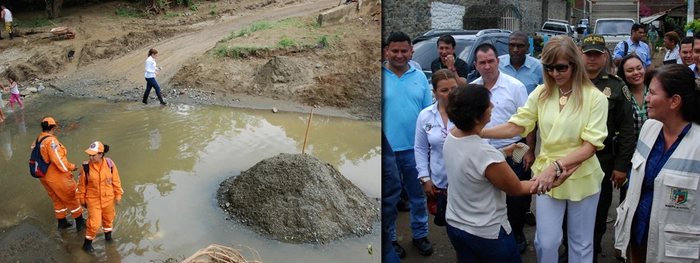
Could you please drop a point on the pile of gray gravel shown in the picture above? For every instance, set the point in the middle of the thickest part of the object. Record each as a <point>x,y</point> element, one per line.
<point>298,198</point>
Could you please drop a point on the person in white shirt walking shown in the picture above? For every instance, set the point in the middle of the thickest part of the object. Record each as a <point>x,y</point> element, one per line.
<point>6,16</point>
<point>151,73</point>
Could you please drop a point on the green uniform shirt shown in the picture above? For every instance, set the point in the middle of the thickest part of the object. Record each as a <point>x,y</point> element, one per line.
<point>620,122</point>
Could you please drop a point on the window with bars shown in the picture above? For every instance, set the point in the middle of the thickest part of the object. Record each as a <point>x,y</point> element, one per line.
<point>510,19</point>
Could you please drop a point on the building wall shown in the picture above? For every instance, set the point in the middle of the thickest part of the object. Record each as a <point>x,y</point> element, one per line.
<point>414,16</point>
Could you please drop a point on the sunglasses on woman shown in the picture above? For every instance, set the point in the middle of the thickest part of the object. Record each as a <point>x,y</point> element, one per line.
<point>558,67</point>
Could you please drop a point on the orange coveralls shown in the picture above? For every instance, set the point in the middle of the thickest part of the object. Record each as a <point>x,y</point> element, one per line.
<point>98,194</point>
<point>58,182</point>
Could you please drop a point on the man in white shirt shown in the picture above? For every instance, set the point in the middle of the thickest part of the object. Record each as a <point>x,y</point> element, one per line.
<point>696,55</point>
<point>507,95</point>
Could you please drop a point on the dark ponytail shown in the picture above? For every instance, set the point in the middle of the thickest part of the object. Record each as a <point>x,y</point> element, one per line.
<point>46,127</point>
<point>106,148</point>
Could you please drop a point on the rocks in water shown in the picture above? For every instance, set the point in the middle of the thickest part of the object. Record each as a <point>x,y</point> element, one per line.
<point>298,198</point>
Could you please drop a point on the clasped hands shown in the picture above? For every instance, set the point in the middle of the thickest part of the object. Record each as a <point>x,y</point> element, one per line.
<point>448,61</point>
<point>547,179</point>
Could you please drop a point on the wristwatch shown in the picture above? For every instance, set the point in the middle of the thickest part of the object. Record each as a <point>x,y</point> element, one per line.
<point>424,179</point>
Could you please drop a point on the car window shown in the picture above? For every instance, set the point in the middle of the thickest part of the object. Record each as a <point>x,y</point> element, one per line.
<point>613,27</point>
<point>424,53</point>
<point>502,45</point>
<point>555,27</point>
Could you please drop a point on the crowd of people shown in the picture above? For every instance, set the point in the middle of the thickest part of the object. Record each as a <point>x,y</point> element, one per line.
<point>568,128</point>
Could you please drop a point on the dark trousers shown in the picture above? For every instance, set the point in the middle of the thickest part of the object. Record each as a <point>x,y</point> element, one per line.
<point>607,161</point>
<point>391,186</point>
<point>517,205</point>
<point>472,248</point>
<point>152,83</point>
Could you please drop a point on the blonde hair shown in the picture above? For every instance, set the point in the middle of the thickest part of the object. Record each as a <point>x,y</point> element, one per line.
<point>563,47</point>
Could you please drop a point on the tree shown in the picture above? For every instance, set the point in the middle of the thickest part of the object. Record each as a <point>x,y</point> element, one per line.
<point>53,8</point>
<point>644,10</point>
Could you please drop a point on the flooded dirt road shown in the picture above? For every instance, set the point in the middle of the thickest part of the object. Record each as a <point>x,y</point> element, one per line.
<point>171,160</point>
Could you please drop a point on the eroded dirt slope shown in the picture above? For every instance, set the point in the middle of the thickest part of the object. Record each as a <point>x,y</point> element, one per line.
<point>110,51</point>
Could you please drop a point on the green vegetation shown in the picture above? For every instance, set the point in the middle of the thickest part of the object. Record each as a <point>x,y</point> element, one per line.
<point>194,7</point>
<point>37,22</point>
<point>313,40</point>
<point>286,42</point>
<point>239,52</point>
<point>694,26</point>
<point>243,32</point>
<point>326,40</point>
<point>231,36</point>
<point>128,13</point>
<point>212,12</point>
<point>260,26</point>
<point>168,14</point>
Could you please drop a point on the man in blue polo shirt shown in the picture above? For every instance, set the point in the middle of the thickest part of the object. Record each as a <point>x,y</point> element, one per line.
<point>634,45</point>
<point>405,93</point>
<point>518,64</point>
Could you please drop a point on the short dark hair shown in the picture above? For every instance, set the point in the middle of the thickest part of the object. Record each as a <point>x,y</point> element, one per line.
<point>680,79</point>
<point>485,47</point>
<point>637,26</point>
<point>447,39</point>
<point>518,34</point>
<point>687,40</point>
<point>398,36</point>
<point>467,104</point>
<point>621,70</point>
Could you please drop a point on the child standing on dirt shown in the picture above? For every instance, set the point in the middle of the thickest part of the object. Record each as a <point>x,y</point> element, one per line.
<point>14,92</point>
<point>99,189</point>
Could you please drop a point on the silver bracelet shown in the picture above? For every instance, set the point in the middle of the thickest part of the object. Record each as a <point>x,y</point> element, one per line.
<point>556,165</point>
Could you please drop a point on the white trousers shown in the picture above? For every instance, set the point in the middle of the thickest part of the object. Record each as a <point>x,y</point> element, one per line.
<point>580,226</point>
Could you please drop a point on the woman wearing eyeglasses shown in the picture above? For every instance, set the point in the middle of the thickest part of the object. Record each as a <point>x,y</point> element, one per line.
<point>571,113</point>
<point>432,127</point>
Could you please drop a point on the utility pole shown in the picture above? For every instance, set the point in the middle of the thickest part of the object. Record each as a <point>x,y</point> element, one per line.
<point>691,16</point>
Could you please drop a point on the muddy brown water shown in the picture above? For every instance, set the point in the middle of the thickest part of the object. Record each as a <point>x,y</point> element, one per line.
<point>171,160</point>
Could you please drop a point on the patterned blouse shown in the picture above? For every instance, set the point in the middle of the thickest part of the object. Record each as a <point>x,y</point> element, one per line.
<point>639,114</point>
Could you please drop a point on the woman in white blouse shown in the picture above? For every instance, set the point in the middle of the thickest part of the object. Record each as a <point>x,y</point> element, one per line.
<point>432,127</point>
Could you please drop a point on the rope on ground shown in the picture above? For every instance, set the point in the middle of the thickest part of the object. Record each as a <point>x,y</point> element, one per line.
<point>222,254</point>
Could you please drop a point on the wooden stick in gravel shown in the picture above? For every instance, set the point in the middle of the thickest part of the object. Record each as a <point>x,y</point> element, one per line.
<point>308,126</point>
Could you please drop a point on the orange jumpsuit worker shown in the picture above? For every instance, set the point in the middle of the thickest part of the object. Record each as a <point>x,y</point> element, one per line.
<point>99,191</point>
<point>58,182</point>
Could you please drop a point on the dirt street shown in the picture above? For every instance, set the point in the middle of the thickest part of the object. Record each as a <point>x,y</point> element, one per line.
<point>339,78</point>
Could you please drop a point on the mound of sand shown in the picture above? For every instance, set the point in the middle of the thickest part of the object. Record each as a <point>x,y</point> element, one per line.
<point>298,198</point>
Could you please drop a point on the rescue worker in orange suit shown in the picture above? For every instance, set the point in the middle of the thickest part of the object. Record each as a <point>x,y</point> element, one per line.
<point>59,182</point>
<point>99,192</point>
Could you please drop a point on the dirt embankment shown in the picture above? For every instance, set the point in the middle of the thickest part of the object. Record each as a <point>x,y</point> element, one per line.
<point>332,68</point>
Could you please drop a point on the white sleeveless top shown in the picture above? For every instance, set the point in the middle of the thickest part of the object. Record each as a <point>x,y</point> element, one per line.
<point>8,15</point>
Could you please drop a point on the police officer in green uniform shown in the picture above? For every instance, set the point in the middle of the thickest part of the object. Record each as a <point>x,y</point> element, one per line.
<point>620,143</point>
